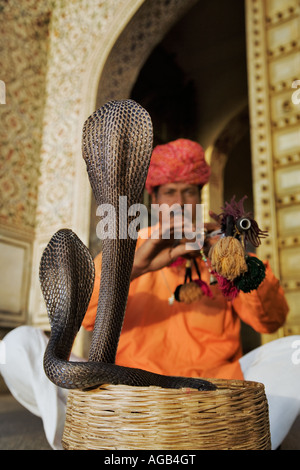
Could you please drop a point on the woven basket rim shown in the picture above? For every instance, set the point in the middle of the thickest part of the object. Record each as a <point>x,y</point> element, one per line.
<point>222,384</point>
<point>224,387</point>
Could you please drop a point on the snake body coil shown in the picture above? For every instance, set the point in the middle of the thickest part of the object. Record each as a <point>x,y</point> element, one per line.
<point>117,146</point>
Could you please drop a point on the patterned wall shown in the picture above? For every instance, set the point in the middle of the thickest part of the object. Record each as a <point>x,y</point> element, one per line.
<point>23,55</point>
<point>24,49</point>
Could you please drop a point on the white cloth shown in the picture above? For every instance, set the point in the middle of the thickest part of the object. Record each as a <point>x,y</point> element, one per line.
<point>276,365</point>
<point>24,376</point>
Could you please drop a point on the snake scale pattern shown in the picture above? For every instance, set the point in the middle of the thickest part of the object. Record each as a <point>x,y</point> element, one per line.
<point>116,146</point>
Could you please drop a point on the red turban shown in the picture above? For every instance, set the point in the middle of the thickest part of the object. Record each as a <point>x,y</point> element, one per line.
<point>180,161</point>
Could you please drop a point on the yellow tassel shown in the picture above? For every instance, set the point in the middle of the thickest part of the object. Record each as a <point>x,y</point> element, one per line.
<point>228,258</point>
<point>190,292</point>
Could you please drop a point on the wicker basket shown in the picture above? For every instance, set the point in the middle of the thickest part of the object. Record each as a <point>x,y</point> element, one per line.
<point>138,418</point>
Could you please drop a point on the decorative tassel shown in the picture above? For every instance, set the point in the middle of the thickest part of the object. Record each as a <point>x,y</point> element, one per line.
<point>228,258</point>
<point>254,234</point>
<point>228,288</point>
<point>204,287</point>
<point>253,277</point>
<point>188,293</point>
<point>191,290</point>
<point>244,223</point>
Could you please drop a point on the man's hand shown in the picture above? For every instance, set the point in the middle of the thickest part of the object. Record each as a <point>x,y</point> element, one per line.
<point>157,252</point>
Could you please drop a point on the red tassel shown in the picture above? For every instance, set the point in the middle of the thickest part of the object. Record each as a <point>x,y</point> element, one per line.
<point>204,287</point>
<point>228,289</point>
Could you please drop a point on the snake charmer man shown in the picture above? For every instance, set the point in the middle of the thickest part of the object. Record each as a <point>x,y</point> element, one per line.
<point>199,338</point>
<point>193,336</point>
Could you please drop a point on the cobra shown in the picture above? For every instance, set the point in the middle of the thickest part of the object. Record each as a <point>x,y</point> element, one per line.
<point>116,146</point>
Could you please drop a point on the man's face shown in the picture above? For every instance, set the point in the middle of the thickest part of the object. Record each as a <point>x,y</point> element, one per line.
<point>171,195</point>
<point>177,193</point>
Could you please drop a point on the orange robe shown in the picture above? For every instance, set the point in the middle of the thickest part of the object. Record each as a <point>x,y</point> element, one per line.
<point>201,339</point>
